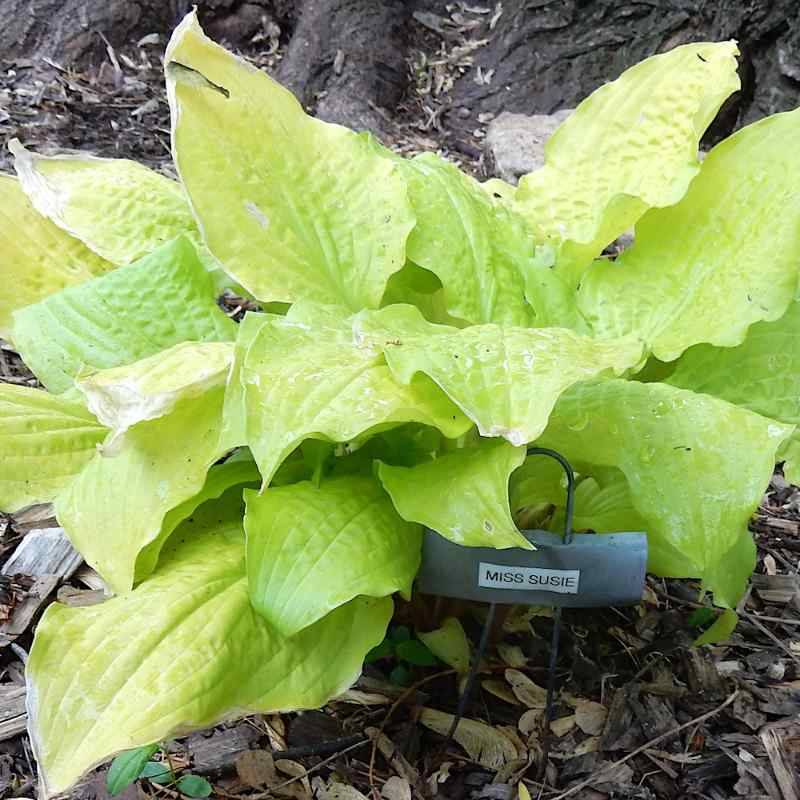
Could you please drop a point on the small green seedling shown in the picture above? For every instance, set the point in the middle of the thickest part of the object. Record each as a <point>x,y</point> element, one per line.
<point>134,765</point>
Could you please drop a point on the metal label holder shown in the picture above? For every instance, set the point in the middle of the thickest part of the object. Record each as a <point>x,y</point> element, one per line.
<point>578,571</point>
<point>585,570</point>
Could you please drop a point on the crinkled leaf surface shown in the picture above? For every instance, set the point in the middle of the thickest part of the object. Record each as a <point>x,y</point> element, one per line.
<point>120,209</point>
<point>311,549</point>
<point>723,258</point>
<point>696,467</point>
<point>126,494</point>
<point>292,206</point>
<point>762,373</point>
<point>45,442</point>
<point>37,258</point>
<point>504,379</point>
<point>182,651</point>
<point>220,478</point>
<point>478,248</point>
<point>462,495</point>
<point>303,379</point>
<point>631,145</point>
<point>134,312</point>
<point>150,388</point>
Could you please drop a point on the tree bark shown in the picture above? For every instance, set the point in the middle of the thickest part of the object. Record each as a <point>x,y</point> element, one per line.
<point>549,54</point>
<point>346,59</point>
<point>72,31</point>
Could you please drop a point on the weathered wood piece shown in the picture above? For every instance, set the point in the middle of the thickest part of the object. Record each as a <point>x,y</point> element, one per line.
<point>13,717</point>
<point>219,751</point>
<point>44,551</point>
<point>778,589</point>
<point>782,743</point>
<point>25,610</point>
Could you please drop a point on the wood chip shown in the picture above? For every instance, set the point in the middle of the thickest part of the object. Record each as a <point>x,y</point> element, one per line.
<point>44,551</point>
<point>782,742</point>
<point>13,717</point>
<point>79,598</point>
<point>221,749</point>
<point>24,612</point>
<point>778,589</point>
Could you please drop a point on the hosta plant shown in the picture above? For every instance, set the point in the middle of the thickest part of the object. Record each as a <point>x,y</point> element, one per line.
<point>254,494</point>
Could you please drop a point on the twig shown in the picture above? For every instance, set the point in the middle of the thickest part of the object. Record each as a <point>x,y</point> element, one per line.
<point>411,689</point>
<point>668,596</point>
<point>696,721</point>
<point>320,749</point>
<point>765,630</point>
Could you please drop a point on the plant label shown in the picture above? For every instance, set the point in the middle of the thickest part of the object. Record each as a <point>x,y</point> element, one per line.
<point>593,570</point>
<point>498,576</point>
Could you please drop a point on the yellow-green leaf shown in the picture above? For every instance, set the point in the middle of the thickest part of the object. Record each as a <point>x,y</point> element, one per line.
<point>45,442</point>
<point>36,257</point>
<point>183,651</point>
<point>631,145</point>
<point>293,207</point>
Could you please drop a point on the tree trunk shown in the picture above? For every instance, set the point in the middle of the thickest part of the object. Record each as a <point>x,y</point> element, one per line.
<point>72,31</point>
<point>549,54</point>
<point>346,59</point>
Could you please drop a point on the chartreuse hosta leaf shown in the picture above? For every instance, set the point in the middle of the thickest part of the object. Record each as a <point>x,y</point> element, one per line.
<point>462,495</point>
<point>479,249</point>
<point>150,388</point>
<point>292,206</point>
<point>220,478</point>
<point>37,257</point>
<point>762,374</point>
<point>630,146</point>
<point>603,504</point>
<point>126,493</point>
<point>696,468</point>
<point>45,441</point>
<point>184,650</point>
<point>723,258</point>
<point>304,380</point>
<point>310,550</point>
<point>122,210</point>
<point>134,312</point>
<point>505,379</point>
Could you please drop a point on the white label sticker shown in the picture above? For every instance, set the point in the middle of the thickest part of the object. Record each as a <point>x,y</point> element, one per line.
<point>502,576</point>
